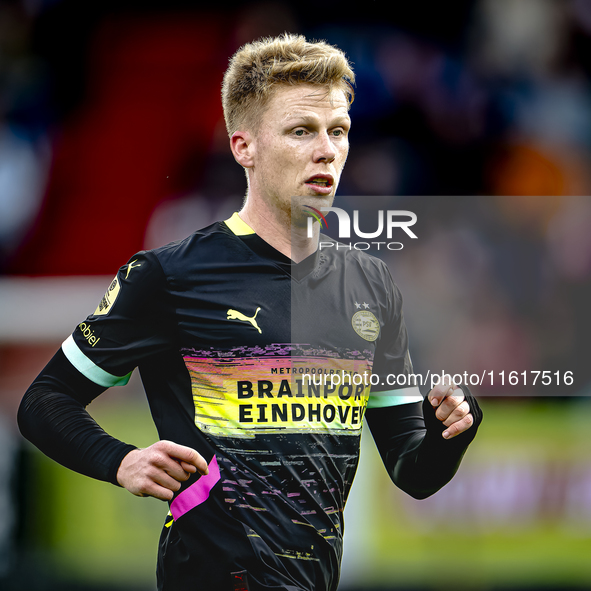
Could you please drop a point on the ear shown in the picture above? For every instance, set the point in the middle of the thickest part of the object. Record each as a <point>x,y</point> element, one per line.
<point>242,146</point>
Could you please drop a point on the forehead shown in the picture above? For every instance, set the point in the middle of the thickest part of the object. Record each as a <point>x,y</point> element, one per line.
<point>306,100</point>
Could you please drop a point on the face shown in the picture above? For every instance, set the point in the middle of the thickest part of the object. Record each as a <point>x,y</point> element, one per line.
<point>300,149</point>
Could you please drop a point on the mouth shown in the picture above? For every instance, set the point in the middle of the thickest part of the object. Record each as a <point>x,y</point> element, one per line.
<point>321,183</point>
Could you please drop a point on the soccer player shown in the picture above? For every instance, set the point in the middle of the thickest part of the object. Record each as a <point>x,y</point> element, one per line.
<point>254,348</point>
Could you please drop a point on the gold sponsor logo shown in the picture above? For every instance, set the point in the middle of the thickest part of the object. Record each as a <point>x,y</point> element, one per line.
<point>235,315</point>
<point>130,267</point>
<point>88,334</point>
<point>366,325</point>
<point>109,298</point>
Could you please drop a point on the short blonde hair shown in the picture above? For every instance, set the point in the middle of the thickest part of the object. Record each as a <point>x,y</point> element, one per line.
<point>258,67</point>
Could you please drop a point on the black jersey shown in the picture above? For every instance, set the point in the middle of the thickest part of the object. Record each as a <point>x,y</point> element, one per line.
<point>264,367</point>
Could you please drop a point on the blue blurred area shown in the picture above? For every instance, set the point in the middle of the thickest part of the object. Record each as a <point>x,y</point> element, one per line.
<point>473,114</point>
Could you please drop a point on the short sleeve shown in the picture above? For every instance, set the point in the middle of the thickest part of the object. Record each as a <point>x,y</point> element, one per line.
<point>128,325</point>
<point>392,364</point>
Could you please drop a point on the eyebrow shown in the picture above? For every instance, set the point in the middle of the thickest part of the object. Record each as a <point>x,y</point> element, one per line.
<point>304,118</point>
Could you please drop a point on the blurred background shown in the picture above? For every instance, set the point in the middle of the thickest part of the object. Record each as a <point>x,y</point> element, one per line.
<point>474,114</point>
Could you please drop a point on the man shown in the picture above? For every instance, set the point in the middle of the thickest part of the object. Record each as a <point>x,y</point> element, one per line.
<point>228,327</point>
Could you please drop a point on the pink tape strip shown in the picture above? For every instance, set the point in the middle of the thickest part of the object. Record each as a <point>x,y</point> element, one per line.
<point>197,493</point>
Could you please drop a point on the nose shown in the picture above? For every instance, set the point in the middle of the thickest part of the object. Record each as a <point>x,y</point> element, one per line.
<point>324,151</point>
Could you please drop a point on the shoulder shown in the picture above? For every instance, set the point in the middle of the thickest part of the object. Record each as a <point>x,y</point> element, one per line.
<point>201,239</point>
<point>215,242</point>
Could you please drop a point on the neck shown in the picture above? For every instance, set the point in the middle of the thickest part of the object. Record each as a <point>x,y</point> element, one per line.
<point>276,230</point>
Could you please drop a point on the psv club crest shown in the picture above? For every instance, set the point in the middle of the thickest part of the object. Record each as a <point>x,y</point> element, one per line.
<point>366,325</point>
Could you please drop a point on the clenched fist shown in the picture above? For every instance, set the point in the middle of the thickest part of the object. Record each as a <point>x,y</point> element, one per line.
<point>157,471</point>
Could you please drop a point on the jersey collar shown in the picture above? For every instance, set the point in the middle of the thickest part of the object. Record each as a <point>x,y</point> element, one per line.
<point>298,270</point>
<point>238,225</point>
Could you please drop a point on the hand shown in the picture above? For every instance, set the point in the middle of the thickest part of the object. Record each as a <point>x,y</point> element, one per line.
<point>157,471</point>
<point>452,409</point>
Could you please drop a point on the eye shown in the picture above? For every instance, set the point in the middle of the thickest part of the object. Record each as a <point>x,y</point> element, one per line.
<point>299,132</point>
<point>338,132</point>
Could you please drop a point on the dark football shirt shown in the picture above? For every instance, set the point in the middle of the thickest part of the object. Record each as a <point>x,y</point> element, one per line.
<point>264,367</point>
